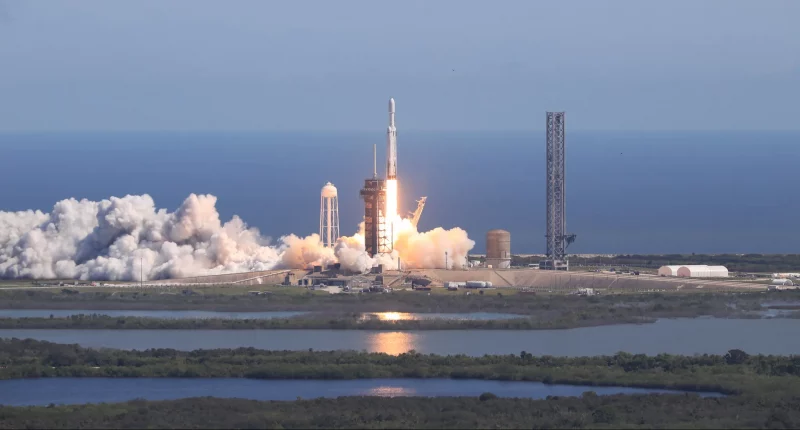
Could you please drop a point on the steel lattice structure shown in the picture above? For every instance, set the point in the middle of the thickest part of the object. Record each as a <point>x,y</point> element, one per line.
<point>376,238</point>
<point>556,209</point>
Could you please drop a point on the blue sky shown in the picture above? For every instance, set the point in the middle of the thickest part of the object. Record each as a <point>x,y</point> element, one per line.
<point>197,65</point>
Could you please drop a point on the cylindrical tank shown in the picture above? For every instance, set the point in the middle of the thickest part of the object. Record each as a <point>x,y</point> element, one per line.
<point>498,249</point>
<point>329,190</point>
<point>782,281</point>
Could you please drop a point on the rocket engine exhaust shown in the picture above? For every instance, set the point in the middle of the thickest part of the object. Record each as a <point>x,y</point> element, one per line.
<point>129,238</point>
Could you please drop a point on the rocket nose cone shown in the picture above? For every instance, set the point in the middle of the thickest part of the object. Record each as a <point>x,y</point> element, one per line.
<point>391,105</point>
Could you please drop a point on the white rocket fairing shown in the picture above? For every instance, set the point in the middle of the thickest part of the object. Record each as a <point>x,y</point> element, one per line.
<point>391,145</point>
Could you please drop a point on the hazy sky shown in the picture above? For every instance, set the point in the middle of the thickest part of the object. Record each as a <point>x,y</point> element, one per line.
<point>451,65</point>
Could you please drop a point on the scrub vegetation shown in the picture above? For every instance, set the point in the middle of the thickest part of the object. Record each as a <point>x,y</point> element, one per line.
<point>763,390</point>
<point>439,300</point>
<point>344,311</point>
<point>733,373</point>
<point>587,411</point>
<point>330,321</point>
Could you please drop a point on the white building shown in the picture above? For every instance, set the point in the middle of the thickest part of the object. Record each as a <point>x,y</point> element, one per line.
<point>668,270</point>
<point>694,271</point>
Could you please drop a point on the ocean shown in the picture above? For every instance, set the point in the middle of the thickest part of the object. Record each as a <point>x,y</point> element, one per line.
<point>627,192</point>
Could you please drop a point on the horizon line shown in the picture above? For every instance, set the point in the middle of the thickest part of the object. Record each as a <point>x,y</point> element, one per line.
<point>341,131</point>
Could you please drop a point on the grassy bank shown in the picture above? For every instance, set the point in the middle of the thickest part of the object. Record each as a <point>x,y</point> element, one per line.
<point>587,411</point>
<point>735,372</point>
<point>342,311</point>
<point>335,322</point>
<point>297,299</point>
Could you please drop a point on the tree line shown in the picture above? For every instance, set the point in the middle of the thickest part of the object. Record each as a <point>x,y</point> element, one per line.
<point>586,411</point>
<point>334,322</point>
<point>733,373</point>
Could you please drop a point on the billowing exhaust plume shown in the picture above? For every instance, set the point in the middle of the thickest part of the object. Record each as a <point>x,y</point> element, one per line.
<point>119,238</point>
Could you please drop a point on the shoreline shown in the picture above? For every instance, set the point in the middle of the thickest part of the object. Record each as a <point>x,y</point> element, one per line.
<point>342,312</point>
<point>95,322</point>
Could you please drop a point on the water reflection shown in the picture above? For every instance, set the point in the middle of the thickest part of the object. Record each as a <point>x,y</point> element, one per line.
<point>673,336</point>
<point>407,316</point>
<point>392,343</point>
<point>775,313</point>
<point>395,391</point>
<point>389,316</point>
<point>43,391</point>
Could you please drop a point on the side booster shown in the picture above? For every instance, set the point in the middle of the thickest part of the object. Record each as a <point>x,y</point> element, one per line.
<point>391,145</point>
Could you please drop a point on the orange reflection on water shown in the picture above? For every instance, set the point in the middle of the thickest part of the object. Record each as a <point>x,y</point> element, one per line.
<point>392,343</point>
<point>388,316</point>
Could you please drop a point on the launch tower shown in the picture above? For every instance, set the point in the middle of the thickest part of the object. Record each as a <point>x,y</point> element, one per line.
<point>557,238</point>
<point>376,238</point>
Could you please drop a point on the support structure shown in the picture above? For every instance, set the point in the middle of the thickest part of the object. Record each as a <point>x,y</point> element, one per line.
<point>414,216</point>
<point>376,236</point>
<point>557,238</point>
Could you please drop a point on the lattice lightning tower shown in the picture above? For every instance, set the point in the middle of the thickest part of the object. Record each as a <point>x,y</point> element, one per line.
<point>557,238</point>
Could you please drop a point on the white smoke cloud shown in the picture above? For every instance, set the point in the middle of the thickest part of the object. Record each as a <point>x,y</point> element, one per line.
<point>119,238</point>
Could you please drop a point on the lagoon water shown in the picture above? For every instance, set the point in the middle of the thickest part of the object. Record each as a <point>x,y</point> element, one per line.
<point>674,336</point>
<point>628,192</point>
<point>43,391</point>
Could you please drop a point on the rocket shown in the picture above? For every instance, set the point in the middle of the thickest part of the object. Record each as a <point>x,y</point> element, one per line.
<point>391,145</point>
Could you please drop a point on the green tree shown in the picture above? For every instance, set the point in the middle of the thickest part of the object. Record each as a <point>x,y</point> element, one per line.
<point>487,396</point>
<point>736,356</point>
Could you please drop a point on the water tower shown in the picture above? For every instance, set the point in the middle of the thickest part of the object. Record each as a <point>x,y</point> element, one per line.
<point>329,215</point>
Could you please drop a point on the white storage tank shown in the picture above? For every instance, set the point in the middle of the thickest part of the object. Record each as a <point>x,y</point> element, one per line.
<point>476,284</point>
<point>782,281</point>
